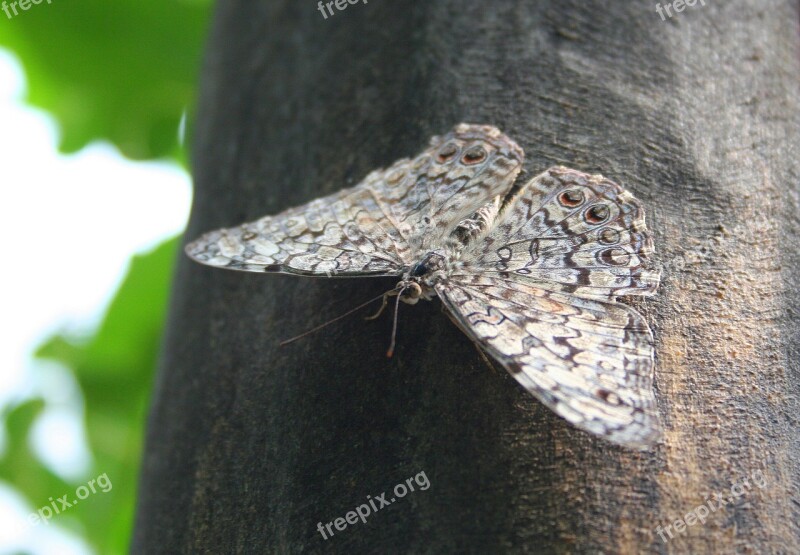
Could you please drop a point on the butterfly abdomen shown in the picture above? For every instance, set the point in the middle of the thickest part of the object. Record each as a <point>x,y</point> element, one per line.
<point>469,229</point>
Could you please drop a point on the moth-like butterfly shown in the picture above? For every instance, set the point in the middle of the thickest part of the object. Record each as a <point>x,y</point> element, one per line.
<point>531,274</point>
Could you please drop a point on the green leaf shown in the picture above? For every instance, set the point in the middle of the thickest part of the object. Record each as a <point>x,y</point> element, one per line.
<point>123,71</point>
<point>20,464</point>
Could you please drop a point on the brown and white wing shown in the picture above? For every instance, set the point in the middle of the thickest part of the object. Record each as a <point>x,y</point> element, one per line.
<point>458,174</point>
<point>570,232</point>
<point>345,234</point>
<point>383,224</point>
<point>537,291</point>
<point>589,361</point>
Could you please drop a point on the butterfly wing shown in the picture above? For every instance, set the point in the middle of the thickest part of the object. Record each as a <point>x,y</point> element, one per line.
<point>460,173</point>
<point>536,290</point>
<point>570,232</point>
<point>589,361</point>
<point>383,224</point>
<point>343,234</point>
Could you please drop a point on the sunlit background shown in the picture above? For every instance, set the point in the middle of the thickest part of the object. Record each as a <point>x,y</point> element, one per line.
<point>90,237</point>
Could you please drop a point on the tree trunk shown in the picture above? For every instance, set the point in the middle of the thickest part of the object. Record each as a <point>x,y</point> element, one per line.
<point>250,446</point>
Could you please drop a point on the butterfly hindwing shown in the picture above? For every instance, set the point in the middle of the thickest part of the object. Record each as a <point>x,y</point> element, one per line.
<point>537,290</point>
<point>589,361</point>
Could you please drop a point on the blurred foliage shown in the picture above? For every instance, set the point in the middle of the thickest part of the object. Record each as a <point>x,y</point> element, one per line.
<point>114,370</point>
<point>124,72</point>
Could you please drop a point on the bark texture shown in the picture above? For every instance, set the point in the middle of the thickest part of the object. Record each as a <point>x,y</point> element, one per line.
<point>251,445</point>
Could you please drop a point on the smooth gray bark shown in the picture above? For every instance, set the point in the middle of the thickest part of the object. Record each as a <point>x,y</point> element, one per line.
<point>251,445</point>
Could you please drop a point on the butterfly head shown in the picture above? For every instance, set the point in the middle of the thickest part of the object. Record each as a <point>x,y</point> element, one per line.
<point>419,281</point>
<point>410,291</point>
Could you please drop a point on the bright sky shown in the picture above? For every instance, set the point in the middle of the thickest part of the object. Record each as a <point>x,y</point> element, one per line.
<point>69,226</point>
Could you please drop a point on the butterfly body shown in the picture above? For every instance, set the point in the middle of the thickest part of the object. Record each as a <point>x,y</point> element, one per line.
<point>531,277</point>
<point>420,281</point>
<point>436,265</point>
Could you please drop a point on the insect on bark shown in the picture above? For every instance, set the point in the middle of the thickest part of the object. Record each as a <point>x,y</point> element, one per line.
<point>531,277</point>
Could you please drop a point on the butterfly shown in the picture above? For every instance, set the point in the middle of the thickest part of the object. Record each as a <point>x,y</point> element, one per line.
<point>530,273</point>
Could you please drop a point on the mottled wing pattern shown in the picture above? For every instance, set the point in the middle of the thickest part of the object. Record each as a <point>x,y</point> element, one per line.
<point>532,279</point>
<point>537,292</point>
<point>453,178</point>
<point>589,361</point>
<point>380,226</point>
<point>343,234</point>
<point>570,232</point>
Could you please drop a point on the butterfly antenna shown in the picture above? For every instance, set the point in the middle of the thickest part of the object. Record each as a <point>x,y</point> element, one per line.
<point>329,322</point>
<point>390,352</point>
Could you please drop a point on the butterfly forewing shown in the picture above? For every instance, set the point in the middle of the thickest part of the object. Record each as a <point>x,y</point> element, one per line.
<point>343,234</point>
<point>382,225</point>
<point>571,232</point>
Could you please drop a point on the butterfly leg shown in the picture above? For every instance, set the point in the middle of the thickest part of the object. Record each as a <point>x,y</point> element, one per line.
<point>484,357</point>
<point>383,305</point>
